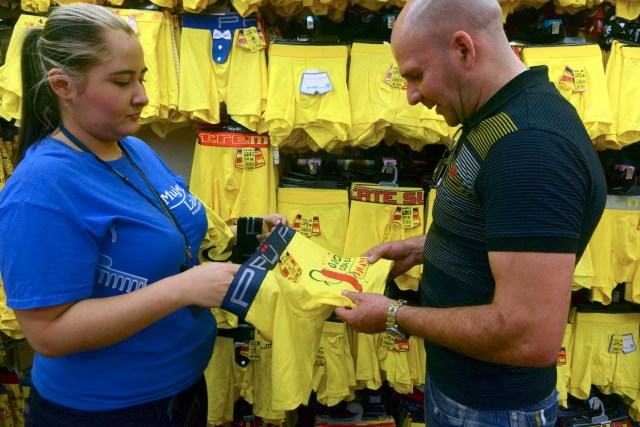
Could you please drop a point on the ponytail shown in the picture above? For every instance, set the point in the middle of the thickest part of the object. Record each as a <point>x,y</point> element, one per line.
<point>40,112</point>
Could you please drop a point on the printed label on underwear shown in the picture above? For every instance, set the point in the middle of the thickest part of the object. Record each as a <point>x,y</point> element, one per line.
<point>407,216</point>
<point>387,197</point>
<point>574,79</point>
<point>616,343</point>
<point>249,158</point>
<point>315,83</point>
<point>289,267</point>
<point>320,356</point>
<point>252,39</point>
<point>562,357</point>
<point>394,79</point>
<point>250,350</point>
<point>337,271</point>
<point>307,226</point>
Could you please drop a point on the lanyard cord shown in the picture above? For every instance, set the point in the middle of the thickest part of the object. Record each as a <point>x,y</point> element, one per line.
<point>165,210</point>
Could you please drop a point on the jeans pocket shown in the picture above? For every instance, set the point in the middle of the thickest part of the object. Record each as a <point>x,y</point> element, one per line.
<point>546,416</point>
<point>445,411</point>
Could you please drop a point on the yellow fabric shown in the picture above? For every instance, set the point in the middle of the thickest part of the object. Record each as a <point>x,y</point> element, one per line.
<point>595,362</point>
<point>628,120</point>
<point>380,214</point>
<point>583,274</point>
<point>223,376</point>
<point>240,82</point>
<point>237,179</point>
<point>321,215</point>
<point>322,121</point>
<point>295,299</point>
<point>627,9</point>
<point>10,72</point>
<point>590,98</point>
<point>376,105</point>
<point>334,377</point>
<point>403,362</point>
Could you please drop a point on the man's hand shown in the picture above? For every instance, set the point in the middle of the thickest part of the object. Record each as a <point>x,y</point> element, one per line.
<point>370,314</point>
<point>405,253</point>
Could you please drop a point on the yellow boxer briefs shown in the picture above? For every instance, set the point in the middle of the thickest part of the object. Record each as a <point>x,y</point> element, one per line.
<point>380,214</point>
<point>334,377</point>
<point>216,68</point>
<point>223,377</point>
<point>628,123</point>
<point>615,246</point>
<point>378,99</point>
<point>402,361</point>
<point>578,73</point>
<point>287,289</point>
<point>233,172</point>
<point>308,93</point>
<point>605,352</point>
<point>627,9</point>
<point>320,215</point>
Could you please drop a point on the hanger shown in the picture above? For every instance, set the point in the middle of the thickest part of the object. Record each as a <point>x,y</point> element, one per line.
<point>312,41</point>
<point>389,164</point>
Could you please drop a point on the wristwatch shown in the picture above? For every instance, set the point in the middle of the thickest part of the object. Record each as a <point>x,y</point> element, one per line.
<point>392,325</point>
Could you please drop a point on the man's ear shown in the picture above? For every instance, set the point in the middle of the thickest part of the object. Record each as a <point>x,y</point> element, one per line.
<point>59,83</point>
<point>465,48</point>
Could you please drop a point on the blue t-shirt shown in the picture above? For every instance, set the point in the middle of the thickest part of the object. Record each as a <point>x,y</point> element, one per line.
<point>73,229</point>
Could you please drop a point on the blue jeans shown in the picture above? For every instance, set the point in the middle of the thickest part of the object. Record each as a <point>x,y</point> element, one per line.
<point>186,409</point>
<point>440,411</point>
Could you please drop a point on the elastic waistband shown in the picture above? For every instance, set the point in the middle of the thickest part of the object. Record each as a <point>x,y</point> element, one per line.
<point>387,195</point>
<point>567,52</point>
<point>140,15</point>
<point>604,318</point>
<point>233,139</point>
<point>373,48</point>
<point>295,51</point>
<point>246,283</point>
<point>334,328</point>
<point>227,21</point>
<point>312,196</point>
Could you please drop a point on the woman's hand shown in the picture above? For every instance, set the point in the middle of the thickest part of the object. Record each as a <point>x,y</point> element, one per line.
<point>272,220</point>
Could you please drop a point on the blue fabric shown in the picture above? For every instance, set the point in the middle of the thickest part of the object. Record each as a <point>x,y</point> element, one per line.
<point>72,229</point>
<point>441,411</point>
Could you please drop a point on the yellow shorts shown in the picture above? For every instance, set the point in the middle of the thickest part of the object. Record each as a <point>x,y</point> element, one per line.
<point>320,215</point>
<point>11,71</point>
<point>578,73</point>
<point>378,99</point>
<point>605,353</point>
<point>287,289</point>
<point>615,246</point>
<point>563,365</point>
<point>223,377</point>
<point>380,214</point>
<point>258,383</point>
<point>403,362</point>
<point>613,72</point>
<point>583,273</point>
<point>308,93</point>
<point>628,124</point>
<point>367,367</point>
<point>233,173</point>
<point>334,377</point>
<point>213,62</point>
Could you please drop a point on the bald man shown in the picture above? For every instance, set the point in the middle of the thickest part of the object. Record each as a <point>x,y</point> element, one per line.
<point>521,193</point>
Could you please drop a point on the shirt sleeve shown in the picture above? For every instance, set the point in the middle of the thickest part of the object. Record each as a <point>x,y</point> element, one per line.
<point>534,187</point>
<point>45,258</point>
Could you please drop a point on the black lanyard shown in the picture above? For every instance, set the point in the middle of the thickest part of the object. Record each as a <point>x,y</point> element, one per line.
<point>165,210</point>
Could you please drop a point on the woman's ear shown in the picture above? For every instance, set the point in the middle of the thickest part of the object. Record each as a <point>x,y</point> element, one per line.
<point>59,83</point>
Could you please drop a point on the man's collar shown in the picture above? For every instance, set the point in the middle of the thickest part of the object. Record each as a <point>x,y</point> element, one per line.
<point>524,80</point>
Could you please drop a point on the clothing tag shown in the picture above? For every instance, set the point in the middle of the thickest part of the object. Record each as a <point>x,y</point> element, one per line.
<point>394,79</point>
<point>628,345</point>
<point>314,82</point>
<point>574,79</point>
<point>562,357</point>
<point>250,350</point>
<point>289,267</point>
<point>388,341</point>
<point>320,360</point>
<point>134,25</point>
<point>249,158</point>
<point>406,216</point>
<point>252,38</point>
<point>307,226</point>
<point>616,344</point>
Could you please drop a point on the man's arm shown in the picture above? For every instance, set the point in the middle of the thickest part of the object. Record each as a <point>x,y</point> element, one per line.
<point>523,326</point>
